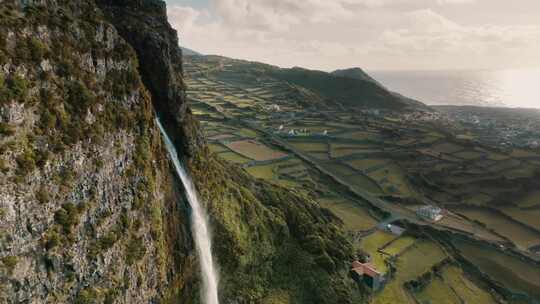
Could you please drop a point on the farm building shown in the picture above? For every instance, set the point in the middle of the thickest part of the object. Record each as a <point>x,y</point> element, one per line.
<point>432,213</point>
<point>367,274</point>
<point>395,229</point>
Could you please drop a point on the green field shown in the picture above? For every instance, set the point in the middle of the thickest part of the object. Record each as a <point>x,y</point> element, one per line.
<point>415,261</point>
<point>354,216</point>
<point>529,200</point>
<point>309,146</point>
<point>519,235</point>
<point>466,290</point>
<point>514,273</point>
<point>438,292</point>
<point>399,245</point>
<point>372,243</point>
<point>363,183</point>
<point>366,163</point>
<point>263,171</point>
<point>234,157</point>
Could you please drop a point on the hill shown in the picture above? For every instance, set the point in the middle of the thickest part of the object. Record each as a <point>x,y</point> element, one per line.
<point>354,93</point>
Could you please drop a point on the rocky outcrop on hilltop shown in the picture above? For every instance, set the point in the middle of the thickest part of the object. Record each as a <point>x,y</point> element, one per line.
<point>90,210</point>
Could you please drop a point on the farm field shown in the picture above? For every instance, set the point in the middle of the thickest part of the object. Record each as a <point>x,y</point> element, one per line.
<point>372,243</point>
<point>467,291</point>
<point>520,235</point>
<point>412,263</point>
<point>399,245</point>
<point>514,273</point>
<point>355,218</point>
<point>530,218</point>
<point>254,150</point>
<point>233,157</point>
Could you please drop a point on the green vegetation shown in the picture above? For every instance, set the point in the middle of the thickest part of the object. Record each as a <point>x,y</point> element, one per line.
<point>520,235</point>
<point>399,245</point>
<point>6,129</point>
<point>68,216</point>
<point>512,272</point>
<point>9,262</point>
<point>13,88</point>
<point>354,217</point>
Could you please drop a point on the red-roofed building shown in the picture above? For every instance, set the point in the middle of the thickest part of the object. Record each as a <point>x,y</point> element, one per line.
<point>367,274</point>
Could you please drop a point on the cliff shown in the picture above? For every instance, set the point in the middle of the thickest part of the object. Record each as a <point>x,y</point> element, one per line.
<point>90,210</point>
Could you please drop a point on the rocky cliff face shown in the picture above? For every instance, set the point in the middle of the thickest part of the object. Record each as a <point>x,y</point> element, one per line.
<point>90,211</point>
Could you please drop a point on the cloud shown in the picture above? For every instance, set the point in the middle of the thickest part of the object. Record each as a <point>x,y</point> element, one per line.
<point>376,34</point>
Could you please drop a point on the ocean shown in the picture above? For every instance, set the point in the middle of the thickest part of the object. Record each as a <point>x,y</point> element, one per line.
<point>505,88</point>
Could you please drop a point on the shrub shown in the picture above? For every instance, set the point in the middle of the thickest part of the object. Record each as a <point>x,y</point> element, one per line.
<point>6,129</point>
<point>10,262</point>
<point>79,97</point>
<point>135,250</point>
<point>67,216</point>
<point>87,296</point>
<point>52,240</point>
<point>37,49</point>
<point>42,195</point>
<point>13,88</point>
<point>108,240</point>
<point>326,263</point>
<point>26,162</point>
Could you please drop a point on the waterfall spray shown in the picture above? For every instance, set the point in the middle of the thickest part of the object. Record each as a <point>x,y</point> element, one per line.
<point>199,227</point>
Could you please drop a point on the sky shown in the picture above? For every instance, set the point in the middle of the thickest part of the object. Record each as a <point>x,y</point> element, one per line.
<point>372,34</point>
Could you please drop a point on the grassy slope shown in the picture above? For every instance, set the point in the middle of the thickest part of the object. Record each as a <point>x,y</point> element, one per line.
<point>273,245</point>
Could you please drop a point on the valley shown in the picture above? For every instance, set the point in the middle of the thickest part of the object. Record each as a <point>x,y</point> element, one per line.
<point>376,167</point>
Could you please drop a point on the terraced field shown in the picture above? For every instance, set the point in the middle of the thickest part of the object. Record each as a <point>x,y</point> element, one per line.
<point>513,272</point>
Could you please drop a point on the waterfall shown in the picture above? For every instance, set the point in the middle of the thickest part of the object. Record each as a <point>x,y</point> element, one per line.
<point>199,227</point>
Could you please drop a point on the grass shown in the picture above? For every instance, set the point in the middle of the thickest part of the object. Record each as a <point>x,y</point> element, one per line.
<point>309,146</point>
<point>527,217</point>
<point>464,288</point>
<point>438,292</point>
<point>522,172</point>
<point>372,243</point>
<point>399,245</point>
<point>320,155</point>
<point>519,235</point>
<point>512,272</point>
<point>355,217</point>
<point>359,135</point>
<point>469,155</point>
<point>254,150</point>
<point>520,153</point>
<point>447,148</point>
<point>395,180</point>
<point>364,164</point>
<point>265,172</point>
<point>246,133</point>
<point>393,293</point>
<point>363,183</point>
<point>530,200</point>
<point>217,148</point>
<point>417,260</point>
<point>234,157</point>
<point>339,169</point>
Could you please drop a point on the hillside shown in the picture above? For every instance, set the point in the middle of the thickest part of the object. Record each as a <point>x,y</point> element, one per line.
<point>350,92</point>
<point>90,208</point>
<point>354,73</point>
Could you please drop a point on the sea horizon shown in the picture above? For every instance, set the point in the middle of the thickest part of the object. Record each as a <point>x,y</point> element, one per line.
<point>507,88</point>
